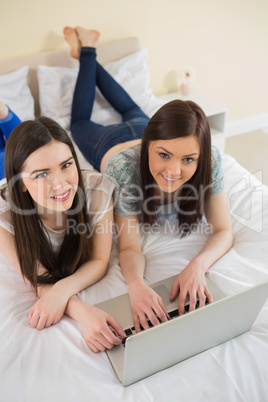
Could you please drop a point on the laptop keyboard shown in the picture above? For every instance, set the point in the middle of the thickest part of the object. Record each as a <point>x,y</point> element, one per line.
<point>173,314</point>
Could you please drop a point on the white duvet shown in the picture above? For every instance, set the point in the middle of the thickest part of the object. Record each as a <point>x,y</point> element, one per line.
<point>56,365</point>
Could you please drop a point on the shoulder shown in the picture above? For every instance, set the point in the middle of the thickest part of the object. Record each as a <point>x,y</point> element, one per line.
<point>216,158</point>
<point>123,168</point>
<point>217,171</point>
<point>5,214</point>
<point>98,191</point>
<point>94,180</point>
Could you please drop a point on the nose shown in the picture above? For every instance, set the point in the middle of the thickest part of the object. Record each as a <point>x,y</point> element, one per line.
<point>57,180</point>
<point>174,169</point>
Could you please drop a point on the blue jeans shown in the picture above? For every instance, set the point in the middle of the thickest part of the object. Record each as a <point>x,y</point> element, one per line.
<point>6,126</point>
<point>93,139</point>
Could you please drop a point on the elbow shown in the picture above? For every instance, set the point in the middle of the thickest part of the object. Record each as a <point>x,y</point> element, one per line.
<point>229,239</point>
<point>225,237</point>
<point>100,274</point>
<point>104,268</point>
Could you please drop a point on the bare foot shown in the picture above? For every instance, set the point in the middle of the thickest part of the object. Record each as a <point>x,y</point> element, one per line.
<point>87,37</point>
<point>3,110</point>
<point>71,38</point>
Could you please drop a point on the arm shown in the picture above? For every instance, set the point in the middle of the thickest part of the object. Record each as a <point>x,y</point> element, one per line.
<point>94,322</point>
<point>95,325</point>
<point>52,303</point>
<point>8,249</point>
<point>144,300</point>
<point>3,110</point>
<point>192,280</point>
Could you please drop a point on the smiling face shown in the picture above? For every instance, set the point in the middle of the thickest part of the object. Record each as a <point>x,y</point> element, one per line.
<point>173,162</point>
<point>50,176</point>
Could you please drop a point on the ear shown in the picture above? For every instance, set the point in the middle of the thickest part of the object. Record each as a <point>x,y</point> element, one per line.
<point>24,188</point>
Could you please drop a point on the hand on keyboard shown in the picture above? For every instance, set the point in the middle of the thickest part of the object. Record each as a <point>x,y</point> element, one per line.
<point>172,314</point>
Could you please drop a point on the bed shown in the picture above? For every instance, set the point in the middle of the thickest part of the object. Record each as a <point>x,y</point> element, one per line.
<point>55,364</point>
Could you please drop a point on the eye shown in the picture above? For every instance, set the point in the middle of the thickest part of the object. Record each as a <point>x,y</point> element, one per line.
<point>66,165</point>
<point>163,155</point>
<point>188,160</point>
<point>41,175</point>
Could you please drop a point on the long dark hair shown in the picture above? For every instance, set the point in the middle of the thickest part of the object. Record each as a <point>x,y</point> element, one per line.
<point>32,244</point>
<point>174,120</point>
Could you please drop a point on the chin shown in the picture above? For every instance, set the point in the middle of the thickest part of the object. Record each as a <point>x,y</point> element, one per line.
<point>169,189</point>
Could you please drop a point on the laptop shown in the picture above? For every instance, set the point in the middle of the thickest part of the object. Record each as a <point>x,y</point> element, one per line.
<point>147,352</point>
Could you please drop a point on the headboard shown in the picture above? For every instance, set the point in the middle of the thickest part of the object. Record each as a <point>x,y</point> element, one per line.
<point>106,51</point>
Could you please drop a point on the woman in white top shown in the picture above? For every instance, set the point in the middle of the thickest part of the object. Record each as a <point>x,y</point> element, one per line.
<point>49,214</point>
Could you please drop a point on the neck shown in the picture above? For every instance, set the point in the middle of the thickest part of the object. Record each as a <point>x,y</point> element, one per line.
<point>55,221</point>
<point>164,198</point>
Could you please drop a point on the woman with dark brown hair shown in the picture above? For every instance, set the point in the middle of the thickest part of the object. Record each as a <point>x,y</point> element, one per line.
<point>56,227</point>
<point>164,170</point>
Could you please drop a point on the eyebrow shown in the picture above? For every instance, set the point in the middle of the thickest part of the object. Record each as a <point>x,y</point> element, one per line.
<point>170,153</point>
<point>46,169</point>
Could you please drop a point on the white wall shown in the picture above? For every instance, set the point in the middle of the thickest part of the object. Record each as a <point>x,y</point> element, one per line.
<point>225,41</point>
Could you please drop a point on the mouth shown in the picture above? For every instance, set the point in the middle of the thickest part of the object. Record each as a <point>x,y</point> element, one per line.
<point>61,197</point>
<point>169,179</point>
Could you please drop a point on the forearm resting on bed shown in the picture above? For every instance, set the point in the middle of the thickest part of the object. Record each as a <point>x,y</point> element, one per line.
<point>74,308</point>
<point>51,306</point>
<point>85,276</point>
<point>216,246</point>
<point>72,305</point>
<point>221,238</point>
<point>132,265</point>
<point>54,298</point>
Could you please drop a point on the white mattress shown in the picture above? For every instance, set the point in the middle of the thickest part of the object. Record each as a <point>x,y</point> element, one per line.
<point>56,365</point>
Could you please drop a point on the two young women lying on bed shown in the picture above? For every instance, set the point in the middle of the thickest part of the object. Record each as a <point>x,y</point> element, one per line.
<point>172,174</point>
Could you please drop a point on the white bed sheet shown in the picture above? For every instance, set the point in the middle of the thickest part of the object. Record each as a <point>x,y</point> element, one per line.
<point>56,365</point>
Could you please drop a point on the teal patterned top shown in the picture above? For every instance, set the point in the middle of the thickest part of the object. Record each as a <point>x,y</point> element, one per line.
<point>123,170</point>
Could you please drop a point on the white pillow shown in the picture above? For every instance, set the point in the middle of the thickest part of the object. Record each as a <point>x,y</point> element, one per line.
<point>15,93</point>
<point>56,87</point>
